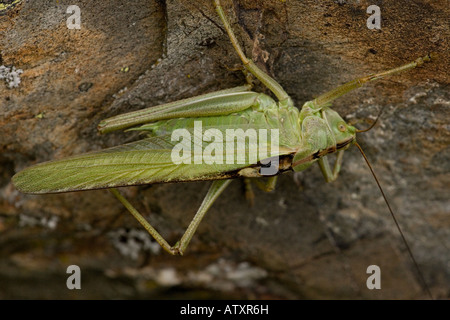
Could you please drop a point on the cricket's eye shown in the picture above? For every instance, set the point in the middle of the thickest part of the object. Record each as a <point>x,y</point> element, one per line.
<point>342,127</point>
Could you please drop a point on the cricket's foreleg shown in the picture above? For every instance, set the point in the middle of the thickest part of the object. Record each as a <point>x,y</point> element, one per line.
<point>329,96</point>
<point>264,184</point>
<point>268,81</point>
<point>331,175</point>
<point>178,249</point>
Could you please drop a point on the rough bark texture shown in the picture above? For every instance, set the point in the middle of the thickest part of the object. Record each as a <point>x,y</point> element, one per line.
<point>307,239</point>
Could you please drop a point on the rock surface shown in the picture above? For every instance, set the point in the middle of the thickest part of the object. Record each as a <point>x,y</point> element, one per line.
<point>306,239</point>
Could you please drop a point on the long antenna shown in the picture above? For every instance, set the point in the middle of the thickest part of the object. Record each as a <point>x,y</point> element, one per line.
<point>397,224</point>
<point>373,124</point>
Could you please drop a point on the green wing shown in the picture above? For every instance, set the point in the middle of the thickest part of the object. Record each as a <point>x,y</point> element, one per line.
<point>145,161</point>
<point>142,162</point>
<point>150,161</point>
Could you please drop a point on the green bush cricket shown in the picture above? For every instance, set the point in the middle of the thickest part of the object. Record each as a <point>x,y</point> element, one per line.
<point>306,136</point>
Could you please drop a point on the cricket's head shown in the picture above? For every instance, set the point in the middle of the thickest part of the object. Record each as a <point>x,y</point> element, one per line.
<point>343,133</point>
<point>326,132</point>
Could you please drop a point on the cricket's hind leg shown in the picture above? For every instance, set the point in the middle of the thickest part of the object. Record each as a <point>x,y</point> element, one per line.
<point>214,191</point>
<point>267,80</point>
